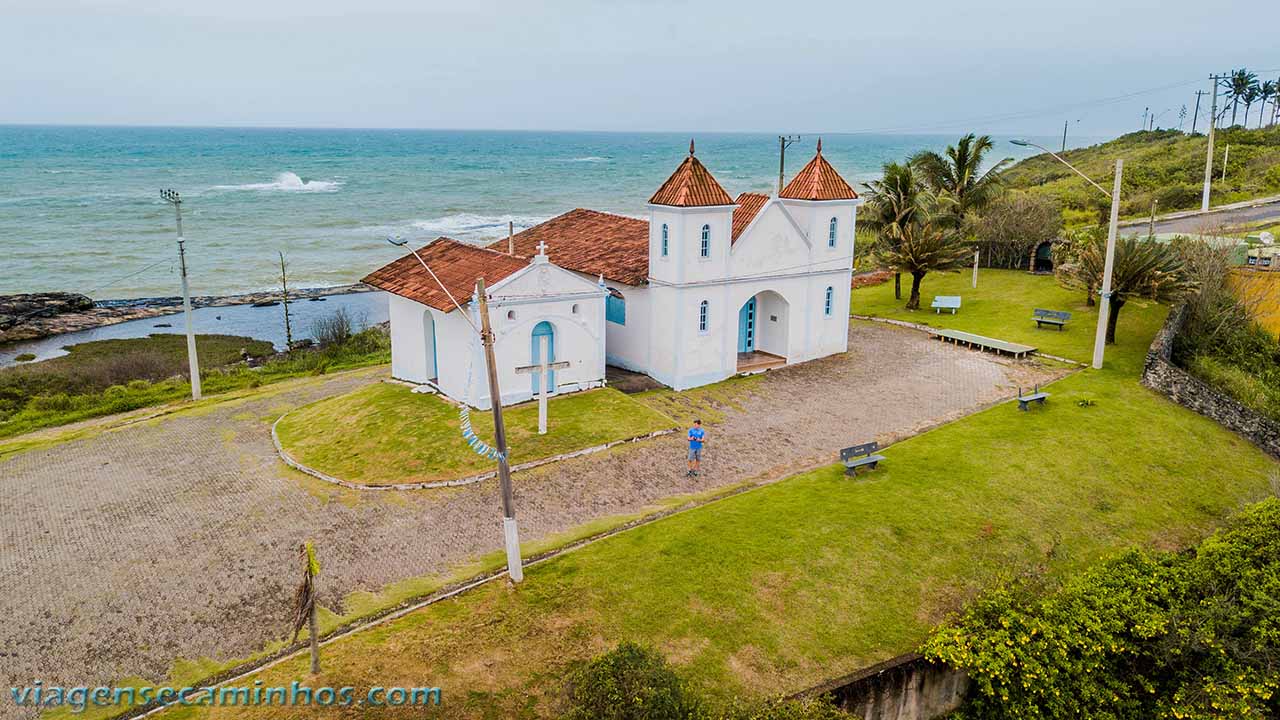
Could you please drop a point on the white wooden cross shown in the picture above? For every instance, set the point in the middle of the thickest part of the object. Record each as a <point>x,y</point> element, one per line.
<point>542,247</point>
<point>542,376</point>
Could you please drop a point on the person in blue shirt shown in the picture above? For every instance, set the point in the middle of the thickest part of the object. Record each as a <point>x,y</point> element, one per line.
<point>697,436</point>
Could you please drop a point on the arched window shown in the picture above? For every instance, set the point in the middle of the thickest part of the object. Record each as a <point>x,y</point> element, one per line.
<point>703,313</point>
<point>831,233</point>
<point>615,307</point>
<point>826,308</point>
<point>664,240</point>
<point>705,248</point>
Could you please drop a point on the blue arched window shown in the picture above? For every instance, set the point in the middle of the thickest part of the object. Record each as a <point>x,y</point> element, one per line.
<point>543,339</point>
<point>831,293</point>
<point>705,248</point>
<point>615,307</point>
<point>831,233</point>
<point>703,314</point>
<point>664,240</point>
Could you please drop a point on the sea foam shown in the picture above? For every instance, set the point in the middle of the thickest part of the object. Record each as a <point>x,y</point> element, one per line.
<point>474,227</point>
<point>287,182</point>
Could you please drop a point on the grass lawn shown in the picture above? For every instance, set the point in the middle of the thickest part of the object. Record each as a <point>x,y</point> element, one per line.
<point>1001,305</point>
<point>385,434</point>
<point>777,589</point>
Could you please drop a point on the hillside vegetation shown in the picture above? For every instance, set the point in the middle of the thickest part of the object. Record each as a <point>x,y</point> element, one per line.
<point>1164,166</point>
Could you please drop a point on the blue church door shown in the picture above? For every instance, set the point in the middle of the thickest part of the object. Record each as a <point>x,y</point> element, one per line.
<point>544,336</point>
<point>747,327</point>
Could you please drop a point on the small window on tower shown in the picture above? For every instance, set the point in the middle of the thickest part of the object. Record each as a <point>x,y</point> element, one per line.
<point>831,233</point>
<point>664,240</point>
<point>705,248</point>
<point>702,316</point>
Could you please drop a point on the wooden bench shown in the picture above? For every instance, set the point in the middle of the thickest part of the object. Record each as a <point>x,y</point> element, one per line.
<point>1036,395</point>
<point>946,302</point>
<point>959,337</point>
<point>1050,317</point>
<point>860,455</point>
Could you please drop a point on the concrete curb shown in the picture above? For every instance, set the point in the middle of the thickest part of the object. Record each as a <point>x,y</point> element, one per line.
<point>468,480</point>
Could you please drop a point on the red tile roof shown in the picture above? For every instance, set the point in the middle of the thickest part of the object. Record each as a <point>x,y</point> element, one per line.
<point>749,205</point>
<point>691,185</point>
<point>818,181</point>
<point>456,264</point>
<point>591,242</point>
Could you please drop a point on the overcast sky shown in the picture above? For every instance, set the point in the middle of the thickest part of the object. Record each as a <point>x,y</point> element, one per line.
<point>847,65</point>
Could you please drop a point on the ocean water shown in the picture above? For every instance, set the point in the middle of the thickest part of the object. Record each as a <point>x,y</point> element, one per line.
<point>80,208</point>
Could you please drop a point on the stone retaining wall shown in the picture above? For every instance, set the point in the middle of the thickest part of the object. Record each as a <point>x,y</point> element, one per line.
<point>1160,374</point>
<point>907,687</point>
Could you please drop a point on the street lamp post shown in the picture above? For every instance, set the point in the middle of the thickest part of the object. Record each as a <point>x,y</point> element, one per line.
<point>1104,295</point>
<point>193,363</point>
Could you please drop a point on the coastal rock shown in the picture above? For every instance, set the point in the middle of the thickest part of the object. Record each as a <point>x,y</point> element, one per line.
<point>28,307</point>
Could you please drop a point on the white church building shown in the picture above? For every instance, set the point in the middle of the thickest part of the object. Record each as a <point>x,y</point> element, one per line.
<point>707,287</point>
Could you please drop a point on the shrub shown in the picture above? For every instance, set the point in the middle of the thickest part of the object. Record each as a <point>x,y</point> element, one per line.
<point>1013,225</point>
<point>1143,635</point>
<point>335,328</point>
<point>630,682</point>
<point>24,357</point>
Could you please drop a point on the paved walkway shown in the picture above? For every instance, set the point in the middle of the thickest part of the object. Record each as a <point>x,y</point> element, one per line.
<point>176,537</point>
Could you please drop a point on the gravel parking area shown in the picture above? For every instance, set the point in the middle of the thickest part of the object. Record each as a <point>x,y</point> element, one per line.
<point>176,537</point>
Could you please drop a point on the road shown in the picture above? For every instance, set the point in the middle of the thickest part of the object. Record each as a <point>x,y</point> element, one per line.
<point>1253,212</point>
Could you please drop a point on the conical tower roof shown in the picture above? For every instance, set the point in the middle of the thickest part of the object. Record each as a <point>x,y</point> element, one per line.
<point>691,185</point>
<point>818,181</point>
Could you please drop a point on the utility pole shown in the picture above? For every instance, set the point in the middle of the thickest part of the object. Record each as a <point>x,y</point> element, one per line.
<point>1225,154</point>
<point>509,530</point>
<point>193,363</point>
<point>1196,115</point>
<point>1208,162</point>
<point>784,142</point>
<point>1104,295</point>
<point>1064,135</point>
<point>1145,111</point>
<point>1151,231</point>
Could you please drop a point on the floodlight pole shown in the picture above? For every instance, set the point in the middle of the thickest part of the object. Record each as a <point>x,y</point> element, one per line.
<point>511,533</point>
<point>193,362</point>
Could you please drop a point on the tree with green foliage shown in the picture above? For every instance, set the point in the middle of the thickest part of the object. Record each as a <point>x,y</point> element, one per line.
<point>892,203</point>
<point>1239,84</point>
<point>1146,634</point>
<point>1266,93</point>
<point>960,175</point>
<point>1141,269</point>
<point>927,243</point>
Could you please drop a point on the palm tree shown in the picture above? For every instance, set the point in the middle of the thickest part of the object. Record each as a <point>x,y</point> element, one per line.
<point>960,175</point>
<point>1250,97</point>
<point>892,204</point>
<point>927,243</point>
<point>1144,268</point>
<point>1238,84</point>
<point>1266,92</point>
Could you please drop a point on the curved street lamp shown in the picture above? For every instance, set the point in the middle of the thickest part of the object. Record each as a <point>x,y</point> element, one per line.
<point>1104,295</point>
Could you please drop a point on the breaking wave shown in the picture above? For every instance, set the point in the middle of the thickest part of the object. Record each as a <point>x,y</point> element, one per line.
<point>470,226</point>
<point>287,182</point>
<point>588,159</point>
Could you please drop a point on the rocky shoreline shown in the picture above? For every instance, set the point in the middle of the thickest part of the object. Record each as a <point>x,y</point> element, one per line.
<point>31,316</point>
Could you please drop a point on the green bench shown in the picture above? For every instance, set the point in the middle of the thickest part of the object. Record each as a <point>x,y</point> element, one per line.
<point>859,456</point>
<point>1044,317</point>
<point>1036,395</point>
<point>946,302</point>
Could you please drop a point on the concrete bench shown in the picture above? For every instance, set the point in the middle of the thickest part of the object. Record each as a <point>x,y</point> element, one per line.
<point>1036,395</point>
<point>1044,317</point>
<point>859,456</point>
<point>946,302</point>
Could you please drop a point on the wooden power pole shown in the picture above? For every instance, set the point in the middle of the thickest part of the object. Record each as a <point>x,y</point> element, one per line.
<point>510,532</point>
